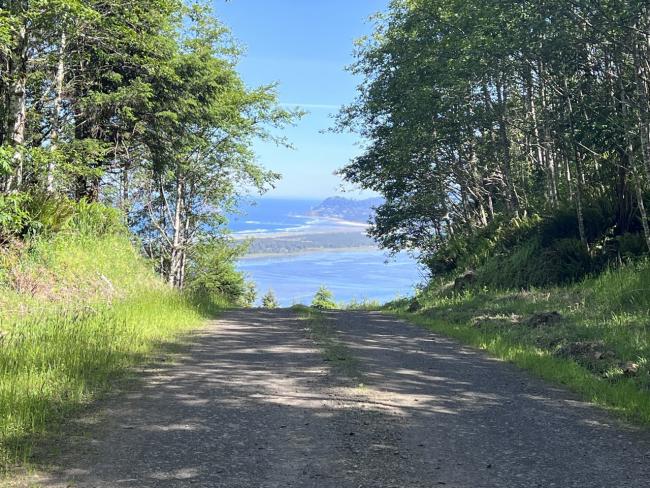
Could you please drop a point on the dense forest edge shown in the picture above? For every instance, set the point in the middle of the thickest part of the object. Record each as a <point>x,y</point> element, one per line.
<point>511,143</point>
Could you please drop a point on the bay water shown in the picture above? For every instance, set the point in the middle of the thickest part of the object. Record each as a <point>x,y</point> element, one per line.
<point>364,274</point>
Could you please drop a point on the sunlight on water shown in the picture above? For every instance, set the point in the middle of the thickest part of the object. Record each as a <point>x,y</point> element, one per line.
<point>356,275</point>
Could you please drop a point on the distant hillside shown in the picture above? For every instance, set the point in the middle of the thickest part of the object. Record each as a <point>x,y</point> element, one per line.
<point>347,209</point>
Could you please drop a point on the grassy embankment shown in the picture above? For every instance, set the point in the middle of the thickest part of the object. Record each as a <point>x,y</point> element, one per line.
<point>77,312</point>
<point>598,345</point>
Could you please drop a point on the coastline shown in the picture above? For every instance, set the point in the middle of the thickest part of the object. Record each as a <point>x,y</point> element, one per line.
<point>303,252</point>
<point>337,226</point>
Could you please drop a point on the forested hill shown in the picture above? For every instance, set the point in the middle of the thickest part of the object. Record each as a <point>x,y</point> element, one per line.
<point>509,137</point>
<point>347,208</point>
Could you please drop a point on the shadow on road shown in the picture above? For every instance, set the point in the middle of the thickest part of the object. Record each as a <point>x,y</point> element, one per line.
<point>252,404</point>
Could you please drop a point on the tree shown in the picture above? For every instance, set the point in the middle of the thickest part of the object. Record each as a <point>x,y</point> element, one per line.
<point>323,299</point>
<point>477,113</point>
<point>199,132</point>
<point>138,104</point>
<point>269,300</point>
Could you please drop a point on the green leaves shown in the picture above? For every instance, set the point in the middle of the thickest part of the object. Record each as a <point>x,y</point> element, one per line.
<point>480,111</point>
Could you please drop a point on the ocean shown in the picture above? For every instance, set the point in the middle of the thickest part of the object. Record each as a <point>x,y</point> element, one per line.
<point>351,274</point>
<point>268,215</point>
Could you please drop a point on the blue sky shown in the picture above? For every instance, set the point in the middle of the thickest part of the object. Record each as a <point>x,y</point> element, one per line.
<point>304,45</point>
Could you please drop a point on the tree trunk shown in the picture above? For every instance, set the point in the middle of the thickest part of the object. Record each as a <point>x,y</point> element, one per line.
<point>642,212</point>
<point>125,190</point>
<point>57,113</point>
<point>549,149</point>
<point>177,250</point>
<point>579,179</point>
<point>643,101</point>
<point>16,97</point>
<point>511,195</point>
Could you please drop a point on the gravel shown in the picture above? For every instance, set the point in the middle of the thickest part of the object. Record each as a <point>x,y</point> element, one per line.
<point>252,403</point>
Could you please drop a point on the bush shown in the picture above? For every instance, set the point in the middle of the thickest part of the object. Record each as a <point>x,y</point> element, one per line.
<point>13,217</point>
<point>31,214</point>
<point>532,265</point>
<point>92,218</point>
<point>323,299</point>
<point>269,300</point>
<point>631,245</point>
<point>211,271</point>
<point>36,214</point>
<point>563,223</point>
<point>463,250</point>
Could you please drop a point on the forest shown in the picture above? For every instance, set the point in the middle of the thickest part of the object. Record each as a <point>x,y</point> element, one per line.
<point>134,104</point>
<point>508,137</point>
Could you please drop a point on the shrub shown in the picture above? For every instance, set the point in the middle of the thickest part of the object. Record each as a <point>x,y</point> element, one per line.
<point>211,271</point>
<point>532,265</point>
<point>472,250</point>
<point>323,299</point>
<point>631,245</point>
<point>563,223</point>
<point>92,218</point>
<point>30,214</point>
<point>269,300</point>
<point>13,217</point>
<point>48,213</point>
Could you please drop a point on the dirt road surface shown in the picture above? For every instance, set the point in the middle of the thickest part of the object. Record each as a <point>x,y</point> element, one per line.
<point>254,402</point>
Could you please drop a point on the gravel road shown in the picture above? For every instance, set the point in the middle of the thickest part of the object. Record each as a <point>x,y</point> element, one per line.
<point>253,403</point>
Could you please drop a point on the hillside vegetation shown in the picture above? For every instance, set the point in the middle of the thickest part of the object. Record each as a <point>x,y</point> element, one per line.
<point>592,336</point>
<point>78,309</point>
<point>125,139</point>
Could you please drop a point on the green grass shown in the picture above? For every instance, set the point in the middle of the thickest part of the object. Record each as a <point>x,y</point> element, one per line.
<point>77,315</point>
<point>609,313</point>
<point>342,362</point>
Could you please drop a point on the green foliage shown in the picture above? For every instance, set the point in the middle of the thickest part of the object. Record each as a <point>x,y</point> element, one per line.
<point>323,299</point>
<point>212,272</point>
<point>31,214</point>
<point>48,214</point>
<point>631,246</point>
<point>531,265</point>
<point>24,215</point>
<point>366,305</point>
<point>535,251</point>
<point>484,133</point>
<point>471,250</point>
<point>138,104</point>
<point>77,314</point>
<point>96,219</point>
<point>269,300</point>
<point>13,216</point>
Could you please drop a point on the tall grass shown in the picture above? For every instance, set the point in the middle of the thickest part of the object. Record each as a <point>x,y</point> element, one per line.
<point>90,310</point>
